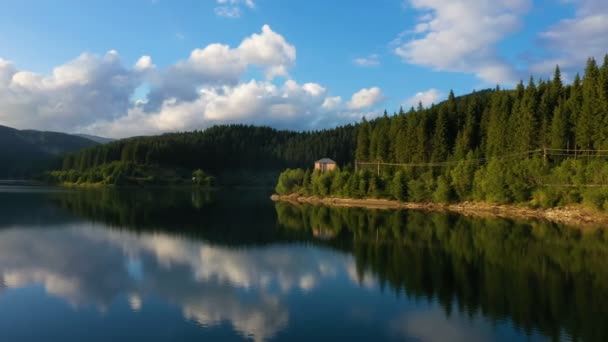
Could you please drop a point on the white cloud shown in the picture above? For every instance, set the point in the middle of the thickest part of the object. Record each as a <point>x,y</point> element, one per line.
<point>369,61</point>
<point>232,8</point>
<point>255,102</point>
<point>228,11</point>
<point>248,3</point>
<point>78,92</point>
<point>100,95</point>
<point>144,63</point>
<point>427,98</point>
<point>219,64</point>
<point>365,98</point>
<point>462,35</point>
<point>571,41</point>
<point>332,103</point>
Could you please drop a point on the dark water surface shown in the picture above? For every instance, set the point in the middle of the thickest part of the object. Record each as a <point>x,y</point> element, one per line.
<point>182,265</point>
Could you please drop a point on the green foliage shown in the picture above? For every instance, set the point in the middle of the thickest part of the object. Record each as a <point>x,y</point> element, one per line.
<point>462,178</point>
<point>290,181</point>
<point>399,186</point>
<point>223,149</point>
<point>443,193</point>
<point>200,178</point>
<point>121,173</point>
<point>596,198</point>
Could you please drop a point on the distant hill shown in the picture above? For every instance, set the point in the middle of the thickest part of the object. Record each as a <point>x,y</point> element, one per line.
<point>99,140</point>
<point>24,153</point>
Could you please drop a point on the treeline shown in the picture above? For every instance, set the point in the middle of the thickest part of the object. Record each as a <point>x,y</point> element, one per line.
<point>540,115</point>
<point>123,173</point>
<point>220,150</point>
<point>544,144</point>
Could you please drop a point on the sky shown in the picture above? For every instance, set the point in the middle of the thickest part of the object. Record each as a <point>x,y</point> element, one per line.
<point>143,67</point>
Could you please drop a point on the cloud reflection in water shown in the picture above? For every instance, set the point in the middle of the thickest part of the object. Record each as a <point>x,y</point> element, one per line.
<point>211,284</point>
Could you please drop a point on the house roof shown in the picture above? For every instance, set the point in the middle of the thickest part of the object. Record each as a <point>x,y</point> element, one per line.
<point>325,161</point>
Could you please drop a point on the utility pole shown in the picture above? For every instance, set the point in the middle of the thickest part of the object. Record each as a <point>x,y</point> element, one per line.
<point>378,162</point>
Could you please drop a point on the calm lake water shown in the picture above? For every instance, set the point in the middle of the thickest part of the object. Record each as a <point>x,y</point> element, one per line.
<point>159,265</point>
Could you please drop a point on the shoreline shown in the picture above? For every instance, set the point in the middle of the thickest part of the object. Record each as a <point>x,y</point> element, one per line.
<point>564,215</point>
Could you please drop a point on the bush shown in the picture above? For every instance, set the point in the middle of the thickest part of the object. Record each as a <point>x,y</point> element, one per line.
<point>545,198</point>
<point>290,181</point>
<point>595,197</point>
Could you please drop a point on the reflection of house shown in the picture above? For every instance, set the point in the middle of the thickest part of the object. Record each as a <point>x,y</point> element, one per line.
<point>325,164</point>
<point>323,234</point>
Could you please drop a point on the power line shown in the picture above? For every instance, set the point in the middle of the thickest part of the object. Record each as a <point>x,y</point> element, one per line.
<point>546,152</point>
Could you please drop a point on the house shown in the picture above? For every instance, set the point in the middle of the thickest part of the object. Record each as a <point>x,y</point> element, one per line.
<point>325,164</point>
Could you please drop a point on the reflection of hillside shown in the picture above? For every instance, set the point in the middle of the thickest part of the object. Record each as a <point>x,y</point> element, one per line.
<point>539,275</point>
<point>26,207</point>
<point>232,218</point>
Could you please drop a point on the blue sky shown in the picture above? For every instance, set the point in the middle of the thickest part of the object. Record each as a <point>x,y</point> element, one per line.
<point>71,65</point>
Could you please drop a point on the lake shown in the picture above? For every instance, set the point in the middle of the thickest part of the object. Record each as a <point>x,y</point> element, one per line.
<point>171,264</point>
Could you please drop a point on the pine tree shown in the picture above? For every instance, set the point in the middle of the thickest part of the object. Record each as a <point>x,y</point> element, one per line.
<point>559,128</point>
<point>586,133</point>
<point>439,142</point>
<point>363,141</point>
<point>399,186</point>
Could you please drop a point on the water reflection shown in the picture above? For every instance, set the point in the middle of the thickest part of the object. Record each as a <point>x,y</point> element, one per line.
<point>538,275</point>
<point>303,272</point>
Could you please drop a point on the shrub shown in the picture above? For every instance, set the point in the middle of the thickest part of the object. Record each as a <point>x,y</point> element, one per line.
<point>290,181</point>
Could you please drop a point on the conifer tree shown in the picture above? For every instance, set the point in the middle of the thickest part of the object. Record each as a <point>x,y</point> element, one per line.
<point>586,120</point>
<point>363,141</point>
<point>439,142</point>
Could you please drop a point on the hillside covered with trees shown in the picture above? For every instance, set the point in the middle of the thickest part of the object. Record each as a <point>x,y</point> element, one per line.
<point>233,153</point>
<point>24,153</point>
<point>544,143</point>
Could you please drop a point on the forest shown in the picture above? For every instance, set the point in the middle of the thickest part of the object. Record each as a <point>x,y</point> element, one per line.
<point>544,143</point>
<point>234,154</point>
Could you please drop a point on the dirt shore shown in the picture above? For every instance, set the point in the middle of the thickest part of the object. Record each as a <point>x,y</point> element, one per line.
<point>565,215</point>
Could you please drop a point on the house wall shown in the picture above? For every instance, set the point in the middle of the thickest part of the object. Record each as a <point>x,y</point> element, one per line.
<point>325,167</point>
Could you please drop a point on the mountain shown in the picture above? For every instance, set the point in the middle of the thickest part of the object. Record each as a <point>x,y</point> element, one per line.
<point>99,140</point>
<point>24,153</point>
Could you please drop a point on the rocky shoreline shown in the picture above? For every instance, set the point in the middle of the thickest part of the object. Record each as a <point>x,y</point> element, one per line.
<point>565,215</point>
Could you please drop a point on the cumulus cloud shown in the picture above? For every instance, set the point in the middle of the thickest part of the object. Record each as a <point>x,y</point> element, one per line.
<point>254,102</point>
<point>219,64</point>
<point>232,8</point>
<point>94,94</point>
<point>461,36</point>
<point>76,93</point>
<point>427,98</point>
<point>369,61</point>
<point>144,63</point>
<point>332,103</point>
<point>571,41</point>
<point>365,98</point>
